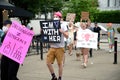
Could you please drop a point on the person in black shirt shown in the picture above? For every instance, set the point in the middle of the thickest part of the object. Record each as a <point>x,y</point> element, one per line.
<point>97,29</point>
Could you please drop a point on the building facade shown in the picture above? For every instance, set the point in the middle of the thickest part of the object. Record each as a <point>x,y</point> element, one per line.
<point>109,4</point>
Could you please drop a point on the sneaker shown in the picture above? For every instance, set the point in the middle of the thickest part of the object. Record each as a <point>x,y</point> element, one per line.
<point>54,78</point>
<point>110,51</point>
<point>84,65</point>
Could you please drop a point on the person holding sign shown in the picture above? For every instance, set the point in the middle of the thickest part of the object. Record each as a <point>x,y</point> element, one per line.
<point>9,68</point>
<point>84,50</point>
<point>56,50</point>
<point>70,39</point>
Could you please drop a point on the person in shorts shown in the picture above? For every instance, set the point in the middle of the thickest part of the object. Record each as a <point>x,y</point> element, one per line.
<point>84,50</point>
<point>56,51</point>
<point>110,35</point>
<point>70,40</point>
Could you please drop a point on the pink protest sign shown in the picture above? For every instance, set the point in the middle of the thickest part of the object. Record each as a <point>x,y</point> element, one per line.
<point>16,42</point>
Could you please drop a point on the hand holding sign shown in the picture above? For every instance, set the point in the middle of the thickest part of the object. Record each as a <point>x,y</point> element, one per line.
<point>61,30</point>
<point>16,42</point>
<point>84,15</point>
<point>50,31</point>
<point>70,17</point>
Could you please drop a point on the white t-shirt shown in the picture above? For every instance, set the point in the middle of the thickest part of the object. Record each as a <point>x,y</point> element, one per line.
<point>61,44</point>
<point>65,39</point>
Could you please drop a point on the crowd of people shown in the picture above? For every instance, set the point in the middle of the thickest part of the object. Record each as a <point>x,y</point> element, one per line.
<point>69,33</point>
<point>9,68</point>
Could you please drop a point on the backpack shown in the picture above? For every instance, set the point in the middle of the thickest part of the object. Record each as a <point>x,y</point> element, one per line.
<point>1,36</point>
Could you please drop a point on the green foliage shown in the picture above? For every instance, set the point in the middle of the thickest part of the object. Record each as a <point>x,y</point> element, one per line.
<point>77,6</point>
<point>92,12</point>
<point>118,29</point>
<point>37,6</point>
<point>50,5</point>
<point>30,5</point>
<point>107,16</point>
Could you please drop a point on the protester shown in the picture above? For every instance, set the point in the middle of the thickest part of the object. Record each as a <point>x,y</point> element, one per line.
<point>65,41</point>
<point>91,28</point>
<point>110,34</point>
<point>78,53</point>
<point>33,45</point>
<point>70,40</point>
<point>1,35</point>
<point>9,68</point>
<point>97,29</point>
<point>56,51</point>
<point>84,50</point>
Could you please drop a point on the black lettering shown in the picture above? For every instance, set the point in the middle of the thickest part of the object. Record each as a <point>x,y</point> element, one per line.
<point>16,38</point>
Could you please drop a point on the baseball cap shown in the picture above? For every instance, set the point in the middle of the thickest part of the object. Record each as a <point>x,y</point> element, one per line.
<point>59,14</point>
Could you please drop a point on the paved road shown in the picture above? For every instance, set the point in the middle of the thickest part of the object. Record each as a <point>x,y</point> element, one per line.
<point>100,67</point>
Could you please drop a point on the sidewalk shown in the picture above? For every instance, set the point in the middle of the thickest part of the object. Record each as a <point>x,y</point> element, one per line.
<point>100,67</point>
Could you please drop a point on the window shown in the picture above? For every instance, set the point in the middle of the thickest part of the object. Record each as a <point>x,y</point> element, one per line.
<point>119,2</point>
<point>115,3</point>
<point>108,4</point>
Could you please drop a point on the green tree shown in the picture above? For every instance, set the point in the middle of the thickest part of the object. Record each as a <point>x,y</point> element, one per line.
<point>77,6</point>
<point>36,6</point>
<point>30,5</point>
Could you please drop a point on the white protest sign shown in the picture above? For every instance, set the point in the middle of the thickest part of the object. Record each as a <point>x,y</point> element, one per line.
<point>87,39</point>
<point>70,17</point>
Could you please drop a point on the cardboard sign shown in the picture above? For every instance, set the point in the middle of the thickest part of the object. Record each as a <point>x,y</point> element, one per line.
<point>84,15</point>
<point>16,42</point>
<point>70,17</point>
<point>87,39</point>
<point>50,31</point>
<point>5,15</point>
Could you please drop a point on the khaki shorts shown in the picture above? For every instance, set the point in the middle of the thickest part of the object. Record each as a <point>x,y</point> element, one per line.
<point>55,53</point>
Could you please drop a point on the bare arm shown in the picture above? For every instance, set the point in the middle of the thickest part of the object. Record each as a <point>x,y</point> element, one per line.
<point>65,33</point>
<point>108,34</point>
